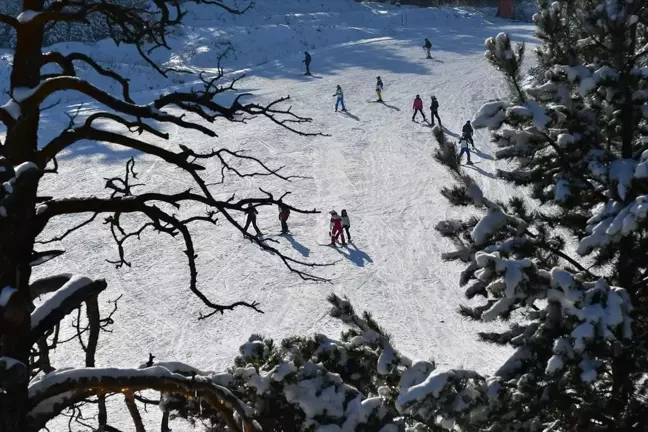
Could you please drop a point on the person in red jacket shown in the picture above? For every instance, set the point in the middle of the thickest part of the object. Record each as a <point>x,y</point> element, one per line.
<point>418,108</point>
<point>336,228</point>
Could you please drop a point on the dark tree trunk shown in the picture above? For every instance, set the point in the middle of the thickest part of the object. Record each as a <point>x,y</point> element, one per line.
<point>16,243</point>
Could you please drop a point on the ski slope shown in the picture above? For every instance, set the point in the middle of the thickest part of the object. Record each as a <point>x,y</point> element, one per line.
<point>377,164</point>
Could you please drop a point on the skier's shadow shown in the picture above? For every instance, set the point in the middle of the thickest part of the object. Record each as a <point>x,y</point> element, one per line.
<point>395,108</point>
<point>482,172</point>
<point>297,246</point>
<point>355,255</point>
<point>348,114</point>
<point>482,155</point>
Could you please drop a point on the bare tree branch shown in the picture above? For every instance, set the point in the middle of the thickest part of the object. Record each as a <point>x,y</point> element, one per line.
<point>134,412</point>
<point>67,66</point>
<point>9,20</point>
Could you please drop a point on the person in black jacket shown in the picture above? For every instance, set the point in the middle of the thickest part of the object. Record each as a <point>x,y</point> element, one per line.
<point>307,61</point>
<point>251,213</point>
<point>434,110</point>
<point>427,47</point>
<point>468,132</point>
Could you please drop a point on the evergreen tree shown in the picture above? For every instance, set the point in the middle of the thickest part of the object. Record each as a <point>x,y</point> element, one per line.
<point>578,139</point>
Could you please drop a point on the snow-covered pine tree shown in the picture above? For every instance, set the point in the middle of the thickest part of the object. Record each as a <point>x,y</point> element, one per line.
<point>573,271</point>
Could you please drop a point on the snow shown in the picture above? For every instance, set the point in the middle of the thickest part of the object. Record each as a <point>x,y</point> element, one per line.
<point>432,385</point>
<point>490,115</point>
<point>488,225</point>
<point>622,171</point>
<point>26,16</point>
<point>380,168</point>
<point>12,108</point>
<point>9,363</point>
<point>385,360</point>
<point>564,139</point>
<point>562,191</point>
<point>5,295</point>
<point>358,412</point>
<point>76,283</point>
<point>61,376</point>
<point>581,334</point>
<point>24,167</point>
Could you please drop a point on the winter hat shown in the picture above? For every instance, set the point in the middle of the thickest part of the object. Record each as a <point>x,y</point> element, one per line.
<point>418,96</point>
<point>333,212</point>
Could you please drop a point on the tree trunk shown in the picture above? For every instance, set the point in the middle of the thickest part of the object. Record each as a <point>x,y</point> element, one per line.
<point>17,236</point>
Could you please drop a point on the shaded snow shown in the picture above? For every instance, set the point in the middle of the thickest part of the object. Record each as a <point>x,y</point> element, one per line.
<point>5,295</point>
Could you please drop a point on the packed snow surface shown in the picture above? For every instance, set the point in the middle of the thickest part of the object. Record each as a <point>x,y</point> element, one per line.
<point>377,164</point>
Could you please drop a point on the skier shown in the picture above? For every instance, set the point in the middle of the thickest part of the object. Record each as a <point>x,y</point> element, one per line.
<point>418,108</point>
<point>427,47</point>
<point>284,213</point>
<point>346,224</point>
<point>251,213</point>
<point>468,132</point>
<point>339,98</point>
<point>379,89</point>
<point>336,228</point>
<point>434,110</point>
<point>307,61</point>
<point>463,141</point>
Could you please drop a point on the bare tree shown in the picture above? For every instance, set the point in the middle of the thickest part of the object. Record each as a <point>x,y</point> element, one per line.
<point>27,334</point>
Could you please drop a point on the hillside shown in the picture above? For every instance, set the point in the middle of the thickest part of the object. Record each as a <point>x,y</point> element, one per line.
<point>377,164</point>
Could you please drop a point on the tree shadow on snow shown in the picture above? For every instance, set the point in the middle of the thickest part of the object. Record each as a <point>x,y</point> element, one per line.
<point>449,132</point>
<point>482,172</point>
<point>348,114</point>
<point>297,246</point>
<point>355,255</point>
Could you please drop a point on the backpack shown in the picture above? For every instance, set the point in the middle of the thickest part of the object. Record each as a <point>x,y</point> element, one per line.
<point>435,105</point>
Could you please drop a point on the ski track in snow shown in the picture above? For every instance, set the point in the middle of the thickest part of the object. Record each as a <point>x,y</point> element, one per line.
<point>377,164</point>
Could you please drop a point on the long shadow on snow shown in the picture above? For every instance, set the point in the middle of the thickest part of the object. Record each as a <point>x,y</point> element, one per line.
<point>482,172</point>
<point>297,246</point>
<point>395,108</point>
<point>483,155</point>
<point>348,114</point>
<point>355,255</point>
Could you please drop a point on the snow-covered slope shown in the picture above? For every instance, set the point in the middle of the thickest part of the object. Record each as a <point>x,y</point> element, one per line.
<point>377,164</point>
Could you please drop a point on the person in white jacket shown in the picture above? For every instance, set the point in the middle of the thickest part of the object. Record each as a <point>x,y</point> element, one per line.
<point>463,141</point>
<point>339,98</point>
<point>346,224</point>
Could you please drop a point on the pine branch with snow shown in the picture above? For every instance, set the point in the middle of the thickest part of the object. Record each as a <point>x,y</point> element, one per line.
<point>576,137</point>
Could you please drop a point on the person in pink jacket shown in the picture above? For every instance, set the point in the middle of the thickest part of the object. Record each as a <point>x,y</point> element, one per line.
<point>336,228</point>
<point>418,108</point>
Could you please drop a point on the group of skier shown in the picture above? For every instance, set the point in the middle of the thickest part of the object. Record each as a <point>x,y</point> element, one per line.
<point>251,217</point>
<point>417,106</point>
<point>340,223</point>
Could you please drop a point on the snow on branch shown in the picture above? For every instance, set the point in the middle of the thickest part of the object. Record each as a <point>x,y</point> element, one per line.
<point>60,389</point>
<point>66,299</point>
<point>12,372</point>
